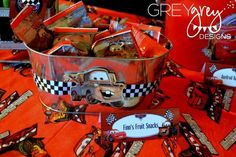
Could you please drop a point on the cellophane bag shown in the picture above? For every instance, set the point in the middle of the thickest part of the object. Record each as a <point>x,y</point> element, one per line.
<point>73,16</point>
<point>28,26</point>
<point>81,38</point>
<point>121,44</point>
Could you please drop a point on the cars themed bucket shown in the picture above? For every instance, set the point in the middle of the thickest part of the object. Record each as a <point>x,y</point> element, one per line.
<point>117,82</point>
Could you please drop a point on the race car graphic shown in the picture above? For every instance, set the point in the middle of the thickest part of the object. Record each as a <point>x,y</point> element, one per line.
<point>164,130</point>
<point>197,94</point>
<point>222,46</point>
<point>96,85</point>
<point>113,135</point>
<point>90,145</point>
<point>83,144</point>
<point>167,129</point>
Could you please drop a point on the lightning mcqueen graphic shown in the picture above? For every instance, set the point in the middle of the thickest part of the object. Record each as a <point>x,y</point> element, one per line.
<point>223,49</point>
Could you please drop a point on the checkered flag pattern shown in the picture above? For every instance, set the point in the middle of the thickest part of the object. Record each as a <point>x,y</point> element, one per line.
<point>137,90</point>
<point>110,119</point>
<point>31,2</point>
<point>53,87</point>
<point>169,115</point>
<point>63,88</point>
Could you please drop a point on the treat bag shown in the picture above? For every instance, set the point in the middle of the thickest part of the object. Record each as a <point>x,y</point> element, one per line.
<point>81,38</point>
<point>148,47</point>
<point>64,48</point>
<point>120,44</point>
<point>28,26</point>
<point>73,16</point>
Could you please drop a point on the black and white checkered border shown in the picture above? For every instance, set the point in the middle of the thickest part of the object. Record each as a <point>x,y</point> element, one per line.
<point>63,88</point>
<point>31,2</point>
<point>137,90</point>
<point>20,4</point>
<point>53,87</point>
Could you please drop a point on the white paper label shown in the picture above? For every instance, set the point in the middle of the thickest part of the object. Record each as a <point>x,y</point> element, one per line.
<point>140,126</point>
<point>228,76</point>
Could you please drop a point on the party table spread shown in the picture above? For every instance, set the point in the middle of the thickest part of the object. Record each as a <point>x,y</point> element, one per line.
<point>60,139</point>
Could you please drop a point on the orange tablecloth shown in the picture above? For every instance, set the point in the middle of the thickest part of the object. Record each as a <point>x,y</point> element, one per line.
<point>61,138</point>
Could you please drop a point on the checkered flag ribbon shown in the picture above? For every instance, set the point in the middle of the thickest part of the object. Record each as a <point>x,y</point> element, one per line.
<point>137,90</point>
<point>63,88</point>
<point>53,87</point>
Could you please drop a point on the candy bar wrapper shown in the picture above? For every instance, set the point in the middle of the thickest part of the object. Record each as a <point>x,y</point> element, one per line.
<point>81,38</point>
<point>120,44</point>
<point>64,48</point>
<point>148,46</point>
<point>73,16</point>
<point>28,26</point>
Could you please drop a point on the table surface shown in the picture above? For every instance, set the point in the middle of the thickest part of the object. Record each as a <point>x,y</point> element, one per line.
<point>61,138</point>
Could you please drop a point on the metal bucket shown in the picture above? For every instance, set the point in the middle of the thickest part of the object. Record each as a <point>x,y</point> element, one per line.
<point>116,82</point>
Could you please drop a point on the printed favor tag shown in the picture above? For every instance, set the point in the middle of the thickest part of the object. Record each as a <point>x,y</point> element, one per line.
<point>220,74</point>
<point>139,125</point>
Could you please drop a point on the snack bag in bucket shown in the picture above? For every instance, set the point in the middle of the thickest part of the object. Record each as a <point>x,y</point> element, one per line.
<point>73,16</point>
<point>116,82</point>
<point>124,71</point>
<point>28,26</point>
<point>81,38</point>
